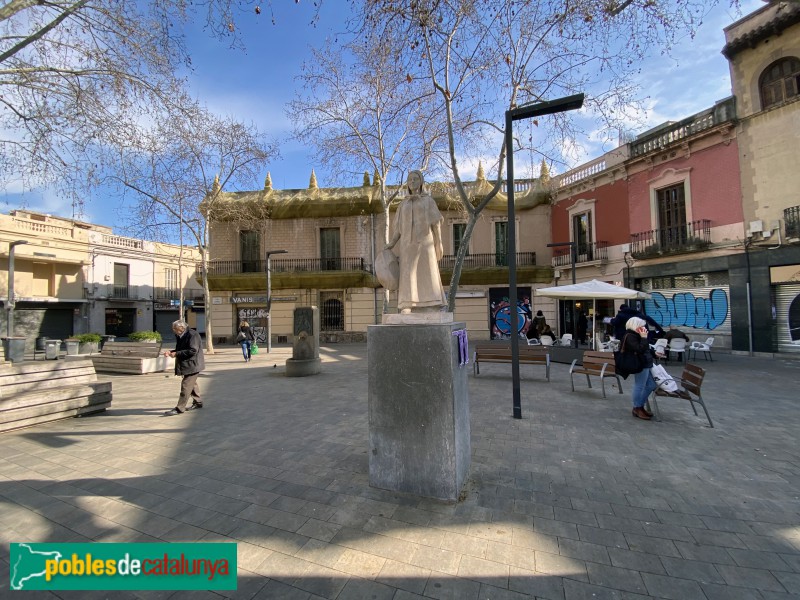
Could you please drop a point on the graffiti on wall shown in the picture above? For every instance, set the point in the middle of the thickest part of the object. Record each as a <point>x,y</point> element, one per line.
<point>684,309</point>
<point>500,312</point>
<point>794,320</point>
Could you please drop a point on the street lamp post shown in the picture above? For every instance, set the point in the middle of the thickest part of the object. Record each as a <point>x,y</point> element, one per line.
<point>628,263</point>
<point>573,259</point>
<point>269,297</point>
<point>11,301</point>
<point>526,111</point>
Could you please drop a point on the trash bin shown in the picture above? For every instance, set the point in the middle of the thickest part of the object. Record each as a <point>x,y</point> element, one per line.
<point>51,348</point>
<point>14,349</point>
<point>107,338</point>
<point>73,346</point>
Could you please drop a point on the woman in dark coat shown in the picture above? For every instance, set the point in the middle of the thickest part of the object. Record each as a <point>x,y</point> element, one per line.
<point>245,337</point>
<point>635,341</point>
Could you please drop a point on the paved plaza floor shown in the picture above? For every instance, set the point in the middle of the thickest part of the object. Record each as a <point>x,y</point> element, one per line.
<point>577,500</point>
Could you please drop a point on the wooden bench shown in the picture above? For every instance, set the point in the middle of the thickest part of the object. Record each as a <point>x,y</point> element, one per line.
<point>38,392</point>
<point>595,364</point>
<point>689,385</point>
<point>492,352</point>
<point>135,358</point>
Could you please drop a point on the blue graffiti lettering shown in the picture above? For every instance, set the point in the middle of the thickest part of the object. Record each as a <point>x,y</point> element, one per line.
<point>686,310</point>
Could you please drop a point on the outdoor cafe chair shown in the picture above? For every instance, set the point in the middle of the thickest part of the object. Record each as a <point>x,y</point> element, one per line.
<point>705,348</point>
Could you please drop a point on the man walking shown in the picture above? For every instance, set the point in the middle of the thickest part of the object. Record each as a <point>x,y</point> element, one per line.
<point>188,355</point>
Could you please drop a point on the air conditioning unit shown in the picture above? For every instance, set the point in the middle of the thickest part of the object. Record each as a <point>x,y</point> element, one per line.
<point>756,226</point>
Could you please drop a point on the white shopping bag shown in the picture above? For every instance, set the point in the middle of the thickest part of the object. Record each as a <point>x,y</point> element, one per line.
<point>663,379</point>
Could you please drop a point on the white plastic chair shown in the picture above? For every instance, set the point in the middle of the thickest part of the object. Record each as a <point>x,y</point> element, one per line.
<point>603,346</point>
<point>678,346</point>
<point>546,340</point>
<point>660,347</point>
<point>704,348</point>
<point>534,342</point>
<point>566,340</point>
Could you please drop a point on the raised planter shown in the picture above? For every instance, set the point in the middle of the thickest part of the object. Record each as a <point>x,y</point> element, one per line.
<point>88,348</point>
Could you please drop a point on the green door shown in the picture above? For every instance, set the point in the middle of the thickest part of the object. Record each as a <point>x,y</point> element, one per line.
<point>501,243</point>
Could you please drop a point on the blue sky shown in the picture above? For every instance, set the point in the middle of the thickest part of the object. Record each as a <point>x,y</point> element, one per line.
<point>255,84</point>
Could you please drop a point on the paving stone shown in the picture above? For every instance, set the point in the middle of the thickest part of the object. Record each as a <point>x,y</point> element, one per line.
<point>759,579</point>
<point>672,588</point>
<point>576,590</point>
<point>536,584</point>
<point>449,588</point>
<point>636,561</point>
<point>561,566</point>
<point>728,592</point>
<point>659,546</point>
<point>791,581</point>
<point>404,576</point>
<point>691,569</point>
<point>723,539</point>
<point>615,578</point>
<point>584,551</point>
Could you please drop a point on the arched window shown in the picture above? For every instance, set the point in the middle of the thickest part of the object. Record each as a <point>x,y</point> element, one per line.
<point>779,82</point>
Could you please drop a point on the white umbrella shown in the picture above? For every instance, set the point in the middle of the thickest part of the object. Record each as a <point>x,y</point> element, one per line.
<point>593,289</point>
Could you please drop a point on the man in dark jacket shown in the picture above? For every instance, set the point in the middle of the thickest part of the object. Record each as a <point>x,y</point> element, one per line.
<point>189,361</point>
<point>625,313</point>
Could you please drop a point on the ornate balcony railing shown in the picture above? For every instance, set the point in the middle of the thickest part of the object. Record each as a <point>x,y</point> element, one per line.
<point>676,132</point>
<point>596,251</point>
<point>282,265</point>
<point>498,259</point>
<point>791,217</point>
<point>691,237</point>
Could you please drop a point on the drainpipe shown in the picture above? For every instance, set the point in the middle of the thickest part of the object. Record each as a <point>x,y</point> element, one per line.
<point>749,300</point>
<point>372,251</point>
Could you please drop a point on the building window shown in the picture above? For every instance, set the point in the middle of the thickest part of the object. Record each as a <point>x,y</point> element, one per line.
<point>171,279</point>
<point>582,236</point>
<point>671,203</point>
<point>330,249</point>
<point>332,311</point>
<point>779,82</point>
<point>249,248</point>
<point>121,280</point>
<point>459,229</point>
<point>501,243</point>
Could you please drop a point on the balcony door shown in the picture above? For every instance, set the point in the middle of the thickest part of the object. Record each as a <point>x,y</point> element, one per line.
<point>582,236</point>
<point>671,216</point>
<point>330,249</point>
<point>121,280</point>
<point>501,243</point>
<point>249,251</point>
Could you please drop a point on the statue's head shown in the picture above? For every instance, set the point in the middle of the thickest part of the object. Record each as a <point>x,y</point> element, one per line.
<point>415,182</point>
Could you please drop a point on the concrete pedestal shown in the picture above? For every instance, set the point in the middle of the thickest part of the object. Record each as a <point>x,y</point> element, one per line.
<point>418,410</point>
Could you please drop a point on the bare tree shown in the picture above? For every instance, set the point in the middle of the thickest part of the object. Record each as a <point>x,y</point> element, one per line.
<point>484,57</point>
<point>74,72</point>
<point>361,111</point>
<point>176,172</point>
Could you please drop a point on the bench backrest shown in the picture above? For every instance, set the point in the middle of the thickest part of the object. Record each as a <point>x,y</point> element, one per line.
<point>132,349</point>
<point>488,350</point>
<point>692,377</point>
<point>594,361</point>
<point>41,376</point>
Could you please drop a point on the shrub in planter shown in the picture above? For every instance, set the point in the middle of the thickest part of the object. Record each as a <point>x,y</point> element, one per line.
<point>144,336</point>
<point>89,342</point>
<point>88,338</point>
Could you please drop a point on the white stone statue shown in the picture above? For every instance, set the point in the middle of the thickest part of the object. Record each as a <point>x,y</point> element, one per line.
<point>417,243</point>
